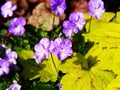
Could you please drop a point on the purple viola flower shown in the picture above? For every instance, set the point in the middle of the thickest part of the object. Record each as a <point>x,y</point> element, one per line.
<point>67,28</point>
<point>74,24</point>
<point>42,50</point>
<point>58,6</point>
<point>59,86</point>
<point>62,48</point>
<point>4,67</point>
<point>11,56</point>
<point>7,9</point>
<point>77,20</point>
<point>14,86</point>
<point>96,8</point>
<point>17,26</point>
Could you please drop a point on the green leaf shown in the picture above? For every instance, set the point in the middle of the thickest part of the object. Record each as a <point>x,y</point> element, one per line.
<point>45,71</point>
<point>3,32</point>
<point>45,87</point>
<point>7,23</point>
<point>94,79</point>
<point>118,17</point>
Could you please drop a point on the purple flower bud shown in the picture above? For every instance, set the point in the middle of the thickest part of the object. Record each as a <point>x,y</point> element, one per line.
<point>17,26</point>
<point>7,9</point>
<point>42,50</point>
<point>58,6</point>
<point>96,8</point>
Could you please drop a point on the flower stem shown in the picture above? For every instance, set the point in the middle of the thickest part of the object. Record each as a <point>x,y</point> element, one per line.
<point>90,24</point>
<point>53,26</point>
<point>54,63</point>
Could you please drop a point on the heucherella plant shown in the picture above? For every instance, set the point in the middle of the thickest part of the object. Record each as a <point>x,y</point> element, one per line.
<point>17,26</point>
<point>96,8</point>
<point>14,86</point>
<point>58,6</point>
<point>74,24</point>
<point>7,9</point>
<point>11,56</point>
<point>4,67</point>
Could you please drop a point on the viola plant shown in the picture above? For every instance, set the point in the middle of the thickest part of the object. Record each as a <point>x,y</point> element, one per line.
<point>17,26</point>
<point>96,8</point>
<point>74,24</point>
<point>66,58</point>
<point>4,67</point>
<point>58,6</point>
<point>14,86</point>
<point>7,9</point>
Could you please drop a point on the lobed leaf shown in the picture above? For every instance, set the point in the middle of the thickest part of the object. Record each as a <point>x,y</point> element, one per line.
<point>45,71</point>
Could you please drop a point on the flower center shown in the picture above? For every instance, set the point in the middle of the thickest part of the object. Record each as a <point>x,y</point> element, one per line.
<point>96,12</point>
<point>11,60</point>
<point>17,28</point>
<point>58,8</point>
<point>77,24</point>
<point>62,52</point>
<point>1,70</point>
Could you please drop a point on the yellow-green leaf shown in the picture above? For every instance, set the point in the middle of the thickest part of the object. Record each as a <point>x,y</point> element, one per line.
<point>72,64</point>
<point>94,79</point>
<point>118,17</point>
<point>107,16</point>
<point>115,84</point>
<point>45,70</point>
<point>109,57</point>
<point>103,32</point>
<point>26,54</point>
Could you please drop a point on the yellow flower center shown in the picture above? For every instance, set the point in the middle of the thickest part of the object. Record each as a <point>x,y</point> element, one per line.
<point>96,11</point>
<point>17,28</point>
<point>1,70</point>
<point>11,60</point>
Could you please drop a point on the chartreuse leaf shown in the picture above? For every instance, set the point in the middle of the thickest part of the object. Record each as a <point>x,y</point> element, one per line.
<point>26,54</point>
<point>72,63</point>
<point>82,73</point>
<point>45,71</point>
<point>92,79</point>
<point>115,84</point>
<point>107,16</point>
<point>108,57</point>
<point>118,17</point>
<point>107,33</point>
<point>107,37</point>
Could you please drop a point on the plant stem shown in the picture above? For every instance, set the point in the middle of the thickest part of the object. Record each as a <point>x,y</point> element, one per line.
<point>53,26</point>
<point>90,24</point>
<point>54,63</point>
